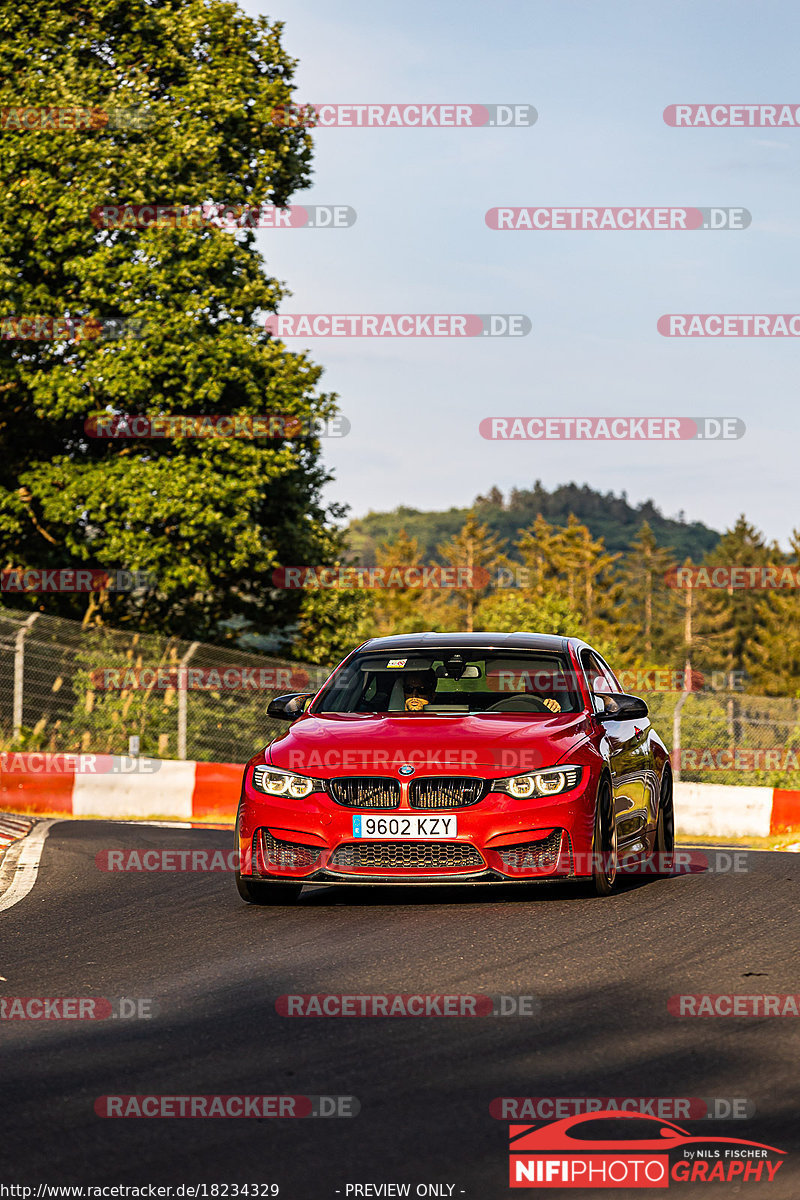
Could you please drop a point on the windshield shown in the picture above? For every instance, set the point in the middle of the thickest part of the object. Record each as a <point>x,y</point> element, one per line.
<point>453,681</point>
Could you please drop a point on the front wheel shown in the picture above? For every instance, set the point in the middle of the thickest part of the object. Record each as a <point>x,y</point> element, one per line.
<point>665,829</point>
<point>604,843</point>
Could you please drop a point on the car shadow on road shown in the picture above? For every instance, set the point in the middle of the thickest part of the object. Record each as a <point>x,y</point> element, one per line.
<point>572,891</point>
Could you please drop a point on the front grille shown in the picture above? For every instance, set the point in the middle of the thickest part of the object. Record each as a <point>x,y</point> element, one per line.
<point>445,792</point>
<point>273,854</point>
<point>533,856</point>
<point>432,856</point>
<point>365,791</point>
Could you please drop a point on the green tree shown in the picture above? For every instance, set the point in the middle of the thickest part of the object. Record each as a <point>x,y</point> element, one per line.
<point>649,612</point>
<point>477,550</point>
<point>607,516</point>
<point>515,611</point>
<point>207,519</point>
<point>331,623</point>
<point>536,548</point>
<point>587,565</point>
<point>408,609</point>
<point>725,621</point>
<point>772,657</point>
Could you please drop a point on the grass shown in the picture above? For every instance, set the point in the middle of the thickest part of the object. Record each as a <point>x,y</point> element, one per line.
<point>776,841</point>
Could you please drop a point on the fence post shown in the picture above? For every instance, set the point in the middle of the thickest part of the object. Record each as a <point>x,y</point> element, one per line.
<point>19,673</point>
<point>675,757</point>
<point>183,698</point>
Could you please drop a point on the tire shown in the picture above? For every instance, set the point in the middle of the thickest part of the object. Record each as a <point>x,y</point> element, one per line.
<point>664,842</point>
<point>604,843</point>
<point>258,891</point>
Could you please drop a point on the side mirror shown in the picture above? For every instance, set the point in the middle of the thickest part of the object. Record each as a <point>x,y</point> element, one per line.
<point>620,707</point>
<point>290,707</point>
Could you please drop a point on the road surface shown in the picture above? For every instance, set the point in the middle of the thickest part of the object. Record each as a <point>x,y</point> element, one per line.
<point>601,970</point>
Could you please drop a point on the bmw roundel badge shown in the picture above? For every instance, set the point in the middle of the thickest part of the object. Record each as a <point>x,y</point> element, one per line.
<point>406,769</point>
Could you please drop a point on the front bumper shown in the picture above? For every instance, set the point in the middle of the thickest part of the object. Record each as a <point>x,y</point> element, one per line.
<point>500,840</point>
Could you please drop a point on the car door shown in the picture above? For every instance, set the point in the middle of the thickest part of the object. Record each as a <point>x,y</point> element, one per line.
<point>627,748</point>
<point>647,769</point>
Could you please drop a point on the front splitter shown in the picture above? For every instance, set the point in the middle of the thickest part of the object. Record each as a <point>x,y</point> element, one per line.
<point>481,877</point>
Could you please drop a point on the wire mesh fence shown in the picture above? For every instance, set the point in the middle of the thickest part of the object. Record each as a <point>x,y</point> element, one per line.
<point>66,688</point>
<point>731,737</point>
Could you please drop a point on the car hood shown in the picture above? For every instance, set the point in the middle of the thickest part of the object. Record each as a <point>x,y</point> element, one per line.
<point>370,744</point>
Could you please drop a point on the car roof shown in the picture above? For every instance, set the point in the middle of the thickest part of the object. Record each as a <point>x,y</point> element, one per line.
<point>483,641</point>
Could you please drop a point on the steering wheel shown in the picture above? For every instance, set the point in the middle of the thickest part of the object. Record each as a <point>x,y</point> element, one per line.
<point>512,704</point>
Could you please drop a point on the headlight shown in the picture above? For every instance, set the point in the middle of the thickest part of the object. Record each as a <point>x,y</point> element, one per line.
<point>281,783</point>
<point>539,783</point>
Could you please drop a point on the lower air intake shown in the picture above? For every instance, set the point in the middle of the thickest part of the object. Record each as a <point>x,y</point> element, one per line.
<point>413,856</point>
<point>532,856</point>
<point>276,855</point>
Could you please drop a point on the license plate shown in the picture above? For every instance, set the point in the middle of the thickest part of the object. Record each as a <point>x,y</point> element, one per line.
<point>420,829</point>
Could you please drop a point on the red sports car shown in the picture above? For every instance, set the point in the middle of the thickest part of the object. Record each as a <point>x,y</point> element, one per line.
<point>455,758</point>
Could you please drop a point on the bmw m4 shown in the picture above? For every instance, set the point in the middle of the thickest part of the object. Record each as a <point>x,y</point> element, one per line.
<point>471,758</point>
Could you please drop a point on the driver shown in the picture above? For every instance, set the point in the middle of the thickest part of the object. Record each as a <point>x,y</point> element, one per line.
<point>547,701</point>
<point>418,688</point>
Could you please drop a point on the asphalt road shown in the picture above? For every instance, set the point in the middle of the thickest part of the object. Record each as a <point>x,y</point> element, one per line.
<point>213,966</point>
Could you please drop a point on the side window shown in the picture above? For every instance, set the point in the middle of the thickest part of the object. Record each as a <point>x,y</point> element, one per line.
<point>609,674</point>
<point>598,677</point>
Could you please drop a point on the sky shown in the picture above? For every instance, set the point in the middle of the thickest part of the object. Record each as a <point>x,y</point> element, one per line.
<point>599,76</point>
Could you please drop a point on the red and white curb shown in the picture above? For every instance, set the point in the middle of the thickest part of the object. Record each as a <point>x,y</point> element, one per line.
<point>177,791</point>
<point>12,828</point>
<point>201,791</point>
<point>720,810</point>
<point>20,866</point>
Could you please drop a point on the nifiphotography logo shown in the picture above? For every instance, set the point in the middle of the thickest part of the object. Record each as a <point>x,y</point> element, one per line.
<point>613,1149</point>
